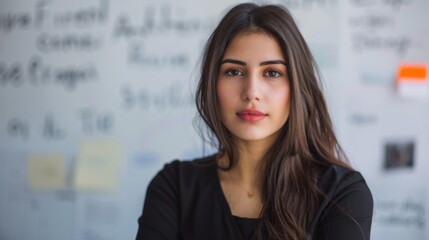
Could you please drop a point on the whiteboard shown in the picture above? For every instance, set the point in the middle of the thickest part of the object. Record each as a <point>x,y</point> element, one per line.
<point>73,72</point>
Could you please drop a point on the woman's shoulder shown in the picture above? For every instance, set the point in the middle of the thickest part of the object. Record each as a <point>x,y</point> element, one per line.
<point>190,166</point>
<point>348,186</point>
<point>342,186</point>
<point>187,172</point>
<point>336,177</point>
<point>347,204</point>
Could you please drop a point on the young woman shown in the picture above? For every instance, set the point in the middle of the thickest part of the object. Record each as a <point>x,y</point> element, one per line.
<point>279,172</point>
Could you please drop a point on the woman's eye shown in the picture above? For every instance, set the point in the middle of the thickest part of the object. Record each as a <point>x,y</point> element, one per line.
<point>233,72</point>
<point>272,73</point>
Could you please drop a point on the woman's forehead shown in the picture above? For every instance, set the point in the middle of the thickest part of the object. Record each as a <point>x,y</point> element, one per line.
<point>258,46</point>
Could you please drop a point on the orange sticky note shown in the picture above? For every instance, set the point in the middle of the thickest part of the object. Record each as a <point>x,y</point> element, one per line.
<point>412,73</point>
<point>413,81</point>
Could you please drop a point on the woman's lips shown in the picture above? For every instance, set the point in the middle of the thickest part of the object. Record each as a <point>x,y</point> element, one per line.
<point>251,115</point>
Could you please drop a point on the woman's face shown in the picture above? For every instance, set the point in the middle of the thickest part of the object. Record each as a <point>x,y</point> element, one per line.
<point>253,88</point>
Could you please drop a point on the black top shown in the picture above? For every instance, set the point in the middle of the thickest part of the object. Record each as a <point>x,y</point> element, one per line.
<point>185,201</point>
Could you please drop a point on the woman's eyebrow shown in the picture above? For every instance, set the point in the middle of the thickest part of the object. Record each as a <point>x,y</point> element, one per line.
<point>239,62</point>
<point>272,62</point>
<point>235,61</point>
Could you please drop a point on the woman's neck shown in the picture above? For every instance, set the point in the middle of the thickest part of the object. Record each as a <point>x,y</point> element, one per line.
<point>242,183</point>
<point>246,170</point>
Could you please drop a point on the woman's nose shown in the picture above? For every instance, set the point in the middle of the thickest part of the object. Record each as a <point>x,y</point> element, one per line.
<point>251,88</point>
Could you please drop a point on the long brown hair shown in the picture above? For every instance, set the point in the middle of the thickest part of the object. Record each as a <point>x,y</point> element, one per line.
<point>290,195</point>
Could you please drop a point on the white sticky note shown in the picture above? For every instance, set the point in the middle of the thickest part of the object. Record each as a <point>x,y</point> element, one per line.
<point>46,171</point>
<point>98,166</point>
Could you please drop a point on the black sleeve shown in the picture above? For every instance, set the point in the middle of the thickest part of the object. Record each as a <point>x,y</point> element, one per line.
<point>160,217</point>
<point>349,215</point>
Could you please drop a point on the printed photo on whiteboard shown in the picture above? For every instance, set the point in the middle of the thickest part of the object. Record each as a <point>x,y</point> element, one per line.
<point>399,154</point>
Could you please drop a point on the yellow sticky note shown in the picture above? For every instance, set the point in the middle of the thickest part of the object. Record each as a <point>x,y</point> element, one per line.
<point>97,166</point>
<point>46,171</point>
